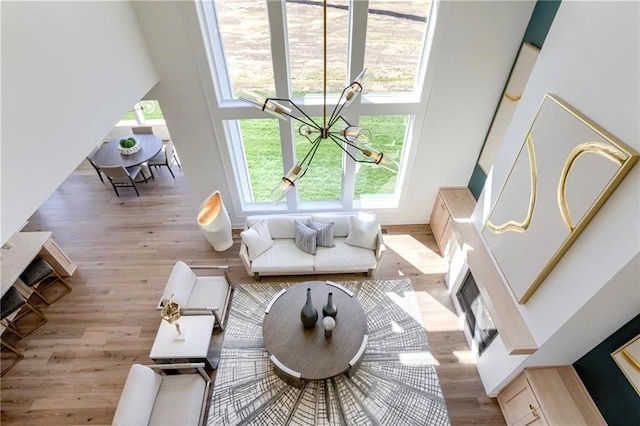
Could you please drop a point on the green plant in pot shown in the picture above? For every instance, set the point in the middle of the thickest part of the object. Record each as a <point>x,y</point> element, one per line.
<point>127,143</point>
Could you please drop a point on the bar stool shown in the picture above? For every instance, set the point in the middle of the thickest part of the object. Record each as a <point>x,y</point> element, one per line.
<point>39,276</point>
<point>10,306</point>
<point>15,351</point>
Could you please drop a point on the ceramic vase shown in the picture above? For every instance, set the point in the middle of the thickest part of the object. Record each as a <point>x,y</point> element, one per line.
<point>309,314</point>
<point>330,309</point>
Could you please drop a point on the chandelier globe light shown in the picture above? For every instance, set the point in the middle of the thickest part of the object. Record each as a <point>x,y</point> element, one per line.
<point>334,128</point>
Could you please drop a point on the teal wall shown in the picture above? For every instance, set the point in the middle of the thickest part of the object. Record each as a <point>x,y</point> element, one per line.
<point>541,19</point>
<point>616,399</point>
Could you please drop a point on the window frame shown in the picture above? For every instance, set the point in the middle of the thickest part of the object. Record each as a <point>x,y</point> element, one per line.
<point>228,110</point>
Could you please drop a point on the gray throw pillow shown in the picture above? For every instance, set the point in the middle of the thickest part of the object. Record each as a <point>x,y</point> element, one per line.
<point>305,238</point>
<point>324,233</point>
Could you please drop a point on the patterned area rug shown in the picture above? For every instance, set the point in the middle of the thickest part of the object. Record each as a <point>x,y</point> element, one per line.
<point>396,383</point>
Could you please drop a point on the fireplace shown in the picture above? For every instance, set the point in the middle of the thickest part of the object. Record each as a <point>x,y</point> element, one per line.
<point>479,321</point>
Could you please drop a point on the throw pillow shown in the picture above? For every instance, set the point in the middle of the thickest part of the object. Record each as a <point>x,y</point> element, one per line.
<point>257,239</point>
<point>324,233</point>
<point>363,234</point>
<point>305,238</point>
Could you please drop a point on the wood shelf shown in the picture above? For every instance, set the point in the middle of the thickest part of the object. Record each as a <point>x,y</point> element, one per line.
<point>513,330</point>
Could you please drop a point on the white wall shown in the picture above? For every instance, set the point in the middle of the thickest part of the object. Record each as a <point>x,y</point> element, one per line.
<point>590,59</point>
<point>171,30</point>
<point>70,71</point>
<point>478,42</point>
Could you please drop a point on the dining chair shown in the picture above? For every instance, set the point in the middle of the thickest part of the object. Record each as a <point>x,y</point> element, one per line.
<point>142,130</point>
<point>95,166</point>
<point>16,352</point>
<point>11,306</point>
<point>39,276</point>
<point>121,177</point>
<point>166,157</point>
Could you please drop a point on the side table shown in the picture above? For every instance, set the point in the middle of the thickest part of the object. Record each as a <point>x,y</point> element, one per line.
<point>195,348</point>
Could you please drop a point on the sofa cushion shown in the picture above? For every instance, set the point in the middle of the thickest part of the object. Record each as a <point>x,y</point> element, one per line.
<point>210,292</point>
<point>324,232</point>
<point>280,226</point>
<point>257,239</point>
<point>305,238</point>
<point>179,400</point>
<point>363,233</point>
<point>340,222</point>
<point>283,257</point>
<point>138,396</point>
<point>344,258</point>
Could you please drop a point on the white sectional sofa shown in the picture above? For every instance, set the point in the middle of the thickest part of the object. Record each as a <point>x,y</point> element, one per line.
<point>270,247</point>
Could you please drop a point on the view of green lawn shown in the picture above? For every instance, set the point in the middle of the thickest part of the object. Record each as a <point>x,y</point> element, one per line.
<point>150,109</point>
<point>261,141</point>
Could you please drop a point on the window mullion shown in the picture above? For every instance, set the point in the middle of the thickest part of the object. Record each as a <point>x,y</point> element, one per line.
<point>281,73</point>
<point>358,11</point>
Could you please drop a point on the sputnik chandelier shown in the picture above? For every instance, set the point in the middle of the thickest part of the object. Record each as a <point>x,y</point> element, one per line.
<point>335,128</point>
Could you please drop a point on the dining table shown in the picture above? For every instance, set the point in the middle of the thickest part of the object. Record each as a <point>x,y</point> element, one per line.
<point>109,153</point>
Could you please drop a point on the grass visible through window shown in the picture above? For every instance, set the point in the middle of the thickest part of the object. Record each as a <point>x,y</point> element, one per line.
<point>323,180</point>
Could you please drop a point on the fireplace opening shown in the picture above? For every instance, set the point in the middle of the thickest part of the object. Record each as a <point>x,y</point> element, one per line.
<point>479,320</point>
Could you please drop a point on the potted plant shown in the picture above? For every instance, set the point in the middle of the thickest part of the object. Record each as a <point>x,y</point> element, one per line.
<point>129,146</point>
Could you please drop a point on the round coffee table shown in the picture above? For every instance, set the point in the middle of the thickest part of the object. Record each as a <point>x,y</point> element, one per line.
<point>307,351</point>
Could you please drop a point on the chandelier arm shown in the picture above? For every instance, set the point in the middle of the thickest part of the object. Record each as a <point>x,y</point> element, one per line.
<point>339,117</point>
<point>311,123</point>
<point>314,148</point>
<point>337,142</point>
<point>338,108</point>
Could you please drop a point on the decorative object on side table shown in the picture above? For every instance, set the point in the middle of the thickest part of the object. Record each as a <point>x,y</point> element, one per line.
<point>330,309</point>
<point>328,323</point>
<point>309,314</point>
<point>129,146</point>
<point>214,222</point>
<point>171,313</point>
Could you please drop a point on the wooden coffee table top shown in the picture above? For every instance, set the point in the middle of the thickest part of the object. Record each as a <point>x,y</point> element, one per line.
<point>307,351</point>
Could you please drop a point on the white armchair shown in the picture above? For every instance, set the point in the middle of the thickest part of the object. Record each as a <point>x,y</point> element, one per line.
<point>198,295</point>
<point>152,398</point>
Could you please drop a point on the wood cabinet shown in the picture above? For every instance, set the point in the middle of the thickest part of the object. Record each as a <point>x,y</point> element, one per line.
<point>548,396</point>
<point>57,258</point>
<point>451,203</point>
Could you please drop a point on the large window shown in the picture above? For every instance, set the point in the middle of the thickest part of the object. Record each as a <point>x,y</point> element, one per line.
<point>274,48</point>
<point>144,112</point>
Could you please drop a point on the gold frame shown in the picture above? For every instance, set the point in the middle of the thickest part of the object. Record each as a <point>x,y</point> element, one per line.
<point>625,156</point>
<point>634,363</point>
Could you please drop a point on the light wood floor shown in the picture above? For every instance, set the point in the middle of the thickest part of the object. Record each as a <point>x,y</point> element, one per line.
<point>76,364</point>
